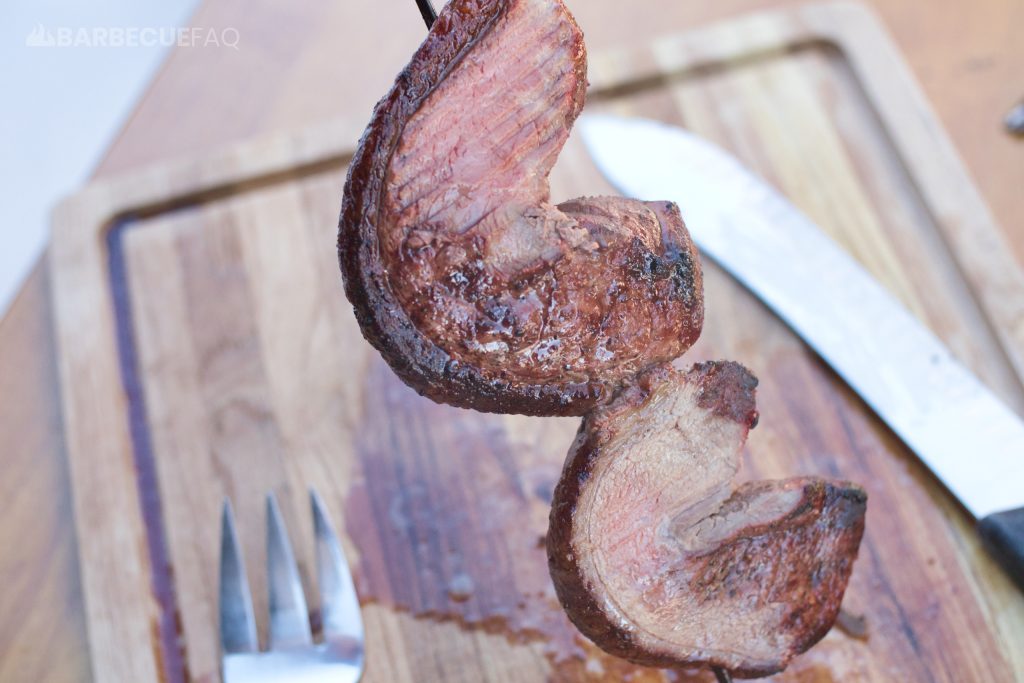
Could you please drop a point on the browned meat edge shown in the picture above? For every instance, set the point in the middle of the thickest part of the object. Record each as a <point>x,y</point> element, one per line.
<point>384,323</point>
<point>566,573</point>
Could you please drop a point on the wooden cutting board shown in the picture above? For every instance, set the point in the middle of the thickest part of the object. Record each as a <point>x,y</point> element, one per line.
<point>208,352</point>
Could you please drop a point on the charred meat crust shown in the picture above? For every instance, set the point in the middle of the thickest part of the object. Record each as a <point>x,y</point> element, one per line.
<point>825,508</point>
<point>385,324</point>
<point>417,359</point>
<point>727,390</point>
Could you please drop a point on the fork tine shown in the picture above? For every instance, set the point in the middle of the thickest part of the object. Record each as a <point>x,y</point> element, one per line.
<point>289,617</point>
<point>237,623</point>
<point>339,605</point>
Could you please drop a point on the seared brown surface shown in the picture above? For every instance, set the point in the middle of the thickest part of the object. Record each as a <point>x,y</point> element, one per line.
<point>302,51</point>
<point>659,559</point>
<point>474,287</point>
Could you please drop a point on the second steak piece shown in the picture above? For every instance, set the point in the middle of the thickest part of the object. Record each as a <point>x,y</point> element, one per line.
<point>658,558</point>
<point>477,290</point>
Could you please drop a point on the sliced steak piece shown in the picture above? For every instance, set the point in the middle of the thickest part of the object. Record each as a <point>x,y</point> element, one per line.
<point>659,559</point>
<point>476,289</point>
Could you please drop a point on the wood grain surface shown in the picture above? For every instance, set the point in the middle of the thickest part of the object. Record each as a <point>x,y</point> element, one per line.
<point>312,65</point>
<point>42,623</point>
<point>207,352</point>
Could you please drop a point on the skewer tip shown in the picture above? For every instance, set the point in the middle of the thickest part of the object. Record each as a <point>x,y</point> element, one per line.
<point>722,675</point>
<point>427,12</point>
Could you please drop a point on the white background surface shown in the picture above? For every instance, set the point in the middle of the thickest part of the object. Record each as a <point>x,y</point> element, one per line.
<point>61,107</point>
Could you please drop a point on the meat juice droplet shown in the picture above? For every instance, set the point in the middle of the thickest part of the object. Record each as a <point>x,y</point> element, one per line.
<point>853,625</point>
<point>460,588</point>
<point>446,513</point>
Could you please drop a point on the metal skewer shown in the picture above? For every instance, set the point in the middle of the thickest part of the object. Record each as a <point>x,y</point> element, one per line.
<point>427,12</point>
<point>722,675</point>
<point>1015,120</point>
<point>429,17</point>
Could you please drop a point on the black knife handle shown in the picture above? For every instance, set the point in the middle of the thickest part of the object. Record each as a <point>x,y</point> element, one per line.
<point>1003,533</point>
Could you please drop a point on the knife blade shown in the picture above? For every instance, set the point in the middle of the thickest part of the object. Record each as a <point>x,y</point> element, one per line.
<point>971,440</point>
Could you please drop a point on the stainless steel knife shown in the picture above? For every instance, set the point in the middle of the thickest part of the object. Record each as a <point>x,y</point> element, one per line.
<point>968,437</point>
